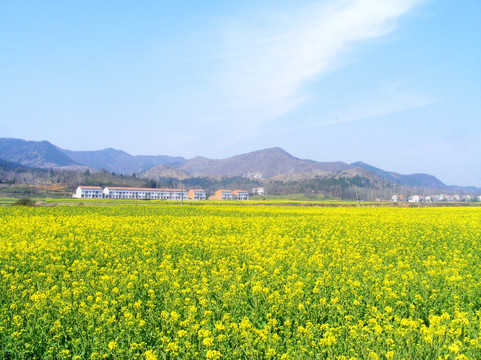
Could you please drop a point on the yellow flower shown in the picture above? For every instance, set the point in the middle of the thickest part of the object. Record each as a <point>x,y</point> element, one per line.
<point>455,347</point>
<point>208,342</point>
<point>213,354</point>
<point>150,355</point>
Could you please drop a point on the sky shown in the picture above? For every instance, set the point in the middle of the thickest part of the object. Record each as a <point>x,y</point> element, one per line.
<point>393,83</point>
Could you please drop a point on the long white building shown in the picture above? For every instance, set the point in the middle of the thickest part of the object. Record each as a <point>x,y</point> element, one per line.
<point>144,193</point>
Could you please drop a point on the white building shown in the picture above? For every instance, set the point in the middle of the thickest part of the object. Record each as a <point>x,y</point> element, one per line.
<point>177,194</point>
<point>416,198</point>
<point>223,195</point>
<point>258,191</point>
<point>144,193</point>
<point>88,192</point>
<point>240,195</point>
<point>196,194</point>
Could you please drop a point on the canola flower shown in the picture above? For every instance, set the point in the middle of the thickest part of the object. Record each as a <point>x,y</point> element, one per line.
<point>240,282</point>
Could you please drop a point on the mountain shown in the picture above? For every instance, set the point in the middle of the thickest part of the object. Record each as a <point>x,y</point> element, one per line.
<point>362,173</point>
<point>273,164</point>
<point>119,161</point>
<point>268,163</point>
<point>413,180</point>
<point>38,154</point>
<point>164,171</point>
<point>10,166</point>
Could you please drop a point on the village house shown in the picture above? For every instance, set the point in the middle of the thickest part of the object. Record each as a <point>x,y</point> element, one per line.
<point>196,194</point>
<point>436,198</point>
<point>222,195</point>
<point>88,192</point>
<point>240,195</point>
<point>416,198</point>
<point>258,191</point>
<point>397,198</point>
<point>444,197</point>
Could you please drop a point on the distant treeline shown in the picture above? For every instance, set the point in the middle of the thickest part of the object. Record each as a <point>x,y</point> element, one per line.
<point>17,179</point>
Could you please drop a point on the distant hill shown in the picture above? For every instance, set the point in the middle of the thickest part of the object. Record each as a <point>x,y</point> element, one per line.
<point>38,154</point>
<point>363,173</point>
<point>164,171</point>
<point>268,163</point>
<point>413,180</point>
<point>10,166</point>
<point>119,161</point>
<point>273,164</point>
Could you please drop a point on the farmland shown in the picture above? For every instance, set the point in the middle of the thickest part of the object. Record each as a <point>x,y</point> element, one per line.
<point>239,282</point>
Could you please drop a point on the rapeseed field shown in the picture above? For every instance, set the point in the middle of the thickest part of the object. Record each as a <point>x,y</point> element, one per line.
<point>240,282</point>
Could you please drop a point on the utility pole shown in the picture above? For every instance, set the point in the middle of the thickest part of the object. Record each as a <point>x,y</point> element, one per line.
<point>181,194</point>
<point>357,197</point>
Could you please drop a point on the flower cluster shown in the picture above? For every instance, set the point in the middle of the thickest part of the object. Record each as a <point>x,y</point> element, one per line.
<point>230,282</point>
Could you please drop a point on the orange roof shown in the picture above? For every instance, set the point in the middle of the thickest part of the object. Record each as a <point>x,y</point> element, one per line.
<point>137,188</point>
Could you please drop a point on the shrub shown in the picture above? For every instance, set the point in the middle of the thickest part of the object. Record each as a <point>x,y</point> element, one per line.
<point>24,202</point>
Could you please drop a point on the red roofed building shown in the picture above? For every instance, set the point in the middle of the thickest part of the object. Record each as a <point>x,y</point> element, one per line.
<point>144,193</point>
<point>196,194</point>
<point>240,195</point>
<point>222,195</point>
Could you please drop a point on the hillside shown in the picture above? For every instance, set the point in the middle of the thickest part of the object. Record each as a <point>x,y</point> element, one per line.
<point>38,154</point>
<point>164,171</point>
<point>10,166</point>
<point>119,161</point>
<point>413,180</point>
<point>261,164</point>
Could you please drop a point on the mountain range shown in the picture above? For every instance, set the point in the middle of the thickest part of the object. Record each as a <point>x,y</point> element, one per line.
<point>268,164</point>
<point>119,161</point>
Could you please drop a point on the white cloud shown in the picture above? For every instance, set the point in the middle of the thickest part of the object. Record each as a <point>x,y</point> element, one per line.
<point>389,99</point>
<point>266,62</point>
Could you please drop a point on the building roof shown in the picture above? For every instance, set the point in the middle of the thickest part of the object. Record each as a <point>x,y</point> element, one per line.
<point>90,187</point>
<point>138,188</point>
<point>239,191</point>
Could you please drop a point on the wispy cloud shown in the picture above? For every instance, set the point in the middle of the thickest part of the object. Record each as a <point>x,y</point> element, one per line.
<point>266,62</point>
<point>389,99</point>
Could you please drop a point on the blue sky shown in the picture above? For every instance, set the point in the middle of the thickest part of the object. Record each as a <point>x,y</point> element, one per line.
<point>393,83</point>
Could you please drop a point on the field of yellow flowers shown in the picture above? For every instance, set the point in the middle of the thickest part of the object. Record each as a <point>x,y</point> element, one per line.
<point>239,282</point>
